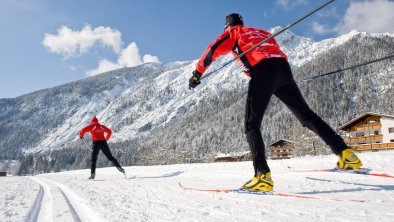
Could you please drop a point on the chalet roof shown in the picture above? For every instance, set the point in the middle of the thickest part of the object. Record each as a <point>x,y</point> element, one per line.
<point>281,140</point>
<point>363,116</point>
<point>233,154</point>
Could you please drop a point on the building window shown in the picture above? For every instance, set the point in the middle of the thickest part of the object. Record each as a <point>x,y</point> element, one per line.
<point>391,130</point>
<point>376,132</point>
<point>391,140</point>
<point>360,134</point>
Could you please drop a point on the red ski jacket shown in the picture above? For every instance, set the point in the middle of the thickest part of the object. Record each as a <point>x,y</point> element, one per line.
<point>96,130</point>
<point>237,39</point>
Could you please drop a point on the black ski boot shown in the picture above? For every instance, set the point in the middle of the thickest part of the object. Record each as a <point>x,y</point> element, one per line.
<point>92,176</point>
<point>121,170</point>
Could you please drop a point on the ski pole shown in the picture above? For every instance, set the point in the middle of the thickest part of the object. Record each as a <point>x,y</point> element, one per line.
<point>267,39</point>
<point>83,140</point>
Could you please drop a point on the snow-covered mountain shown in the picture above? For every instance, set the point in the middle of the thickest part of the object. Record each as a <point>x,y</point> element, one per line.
<point>137,101</point>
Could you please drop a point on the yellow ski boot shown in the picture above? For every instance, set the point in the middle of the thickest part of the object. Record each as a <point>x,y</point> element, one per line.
<point>348,160</point>
<point>260,182</point>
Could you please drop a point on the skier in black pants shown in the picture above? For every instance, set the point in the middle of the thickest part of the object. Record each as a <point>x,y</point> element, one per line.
<point>97,132</point>
<point>270,75</point>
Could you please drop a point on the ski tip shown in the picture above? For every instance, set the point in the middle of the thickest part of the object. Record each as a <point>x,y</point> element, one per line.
<point>179,183</point>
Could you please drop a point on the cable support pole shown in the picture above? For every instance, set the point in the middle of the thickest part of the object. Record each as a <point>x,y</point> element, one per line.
<point>344,69</point>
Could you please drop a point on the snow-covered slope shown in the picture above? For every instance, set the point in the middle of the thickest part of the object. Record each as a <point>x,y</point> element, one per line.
<point>153,193</point>
<point>301,50</point>
<point>132,101</point>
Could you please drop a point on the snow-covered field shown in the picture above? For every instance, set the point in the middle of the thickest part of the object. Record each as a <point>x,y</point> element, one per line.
<point>152,193</point>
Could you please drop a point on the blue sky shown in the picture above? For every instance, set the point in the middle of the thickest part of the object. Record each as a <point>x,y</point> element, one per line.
<point>45,43</point>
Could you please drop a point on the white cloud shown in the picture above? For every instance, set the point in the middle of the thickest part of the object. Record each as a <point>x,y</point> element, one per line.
<point>128,57</point>
<point>320,29</point>
<point>150,58</point>
<point>104,66</point>
<point>368,16</point>
<point>68,42</point>
<point>290,4</point>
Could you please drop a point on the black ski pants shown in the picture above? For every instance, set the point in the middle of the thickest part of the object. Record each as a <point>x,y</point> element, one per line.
<point>103,146</point>
<point>274,77</point>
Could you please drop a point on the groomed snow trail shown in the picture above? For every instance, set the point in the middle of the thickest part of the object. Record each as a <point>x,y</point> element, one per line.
<point>56,202</point>
<point>152,193</point>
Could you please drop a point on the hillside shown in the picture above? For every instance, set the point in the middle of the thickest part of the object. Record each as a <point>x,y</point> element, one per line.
<point>157,120</point>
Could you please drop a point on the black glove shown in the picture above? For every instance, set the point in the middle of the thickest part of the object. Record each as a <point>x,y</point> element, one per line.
<point>195,79</point>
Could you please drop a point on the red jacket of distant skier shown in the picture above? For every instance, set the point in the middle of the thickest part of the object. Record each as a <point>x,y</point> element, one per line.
<point>237,39</point>
<point>96,130</point>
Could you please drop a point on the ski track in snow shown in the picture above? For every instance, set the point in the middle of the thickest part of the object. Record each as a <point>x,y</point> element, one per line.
<point>56,202</point>
<point>152,193</point>
<point>35,209</point>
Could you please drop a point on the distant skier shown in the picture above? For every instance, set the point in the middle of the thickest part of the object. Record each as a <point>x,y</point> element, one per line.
<point>270,75</point>
<point>97,132</point>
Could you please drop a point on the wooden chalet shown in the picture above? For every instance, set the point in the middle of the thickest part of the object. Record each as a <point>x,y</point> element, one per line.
<point>281,149</point>
<point>370,131</point>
